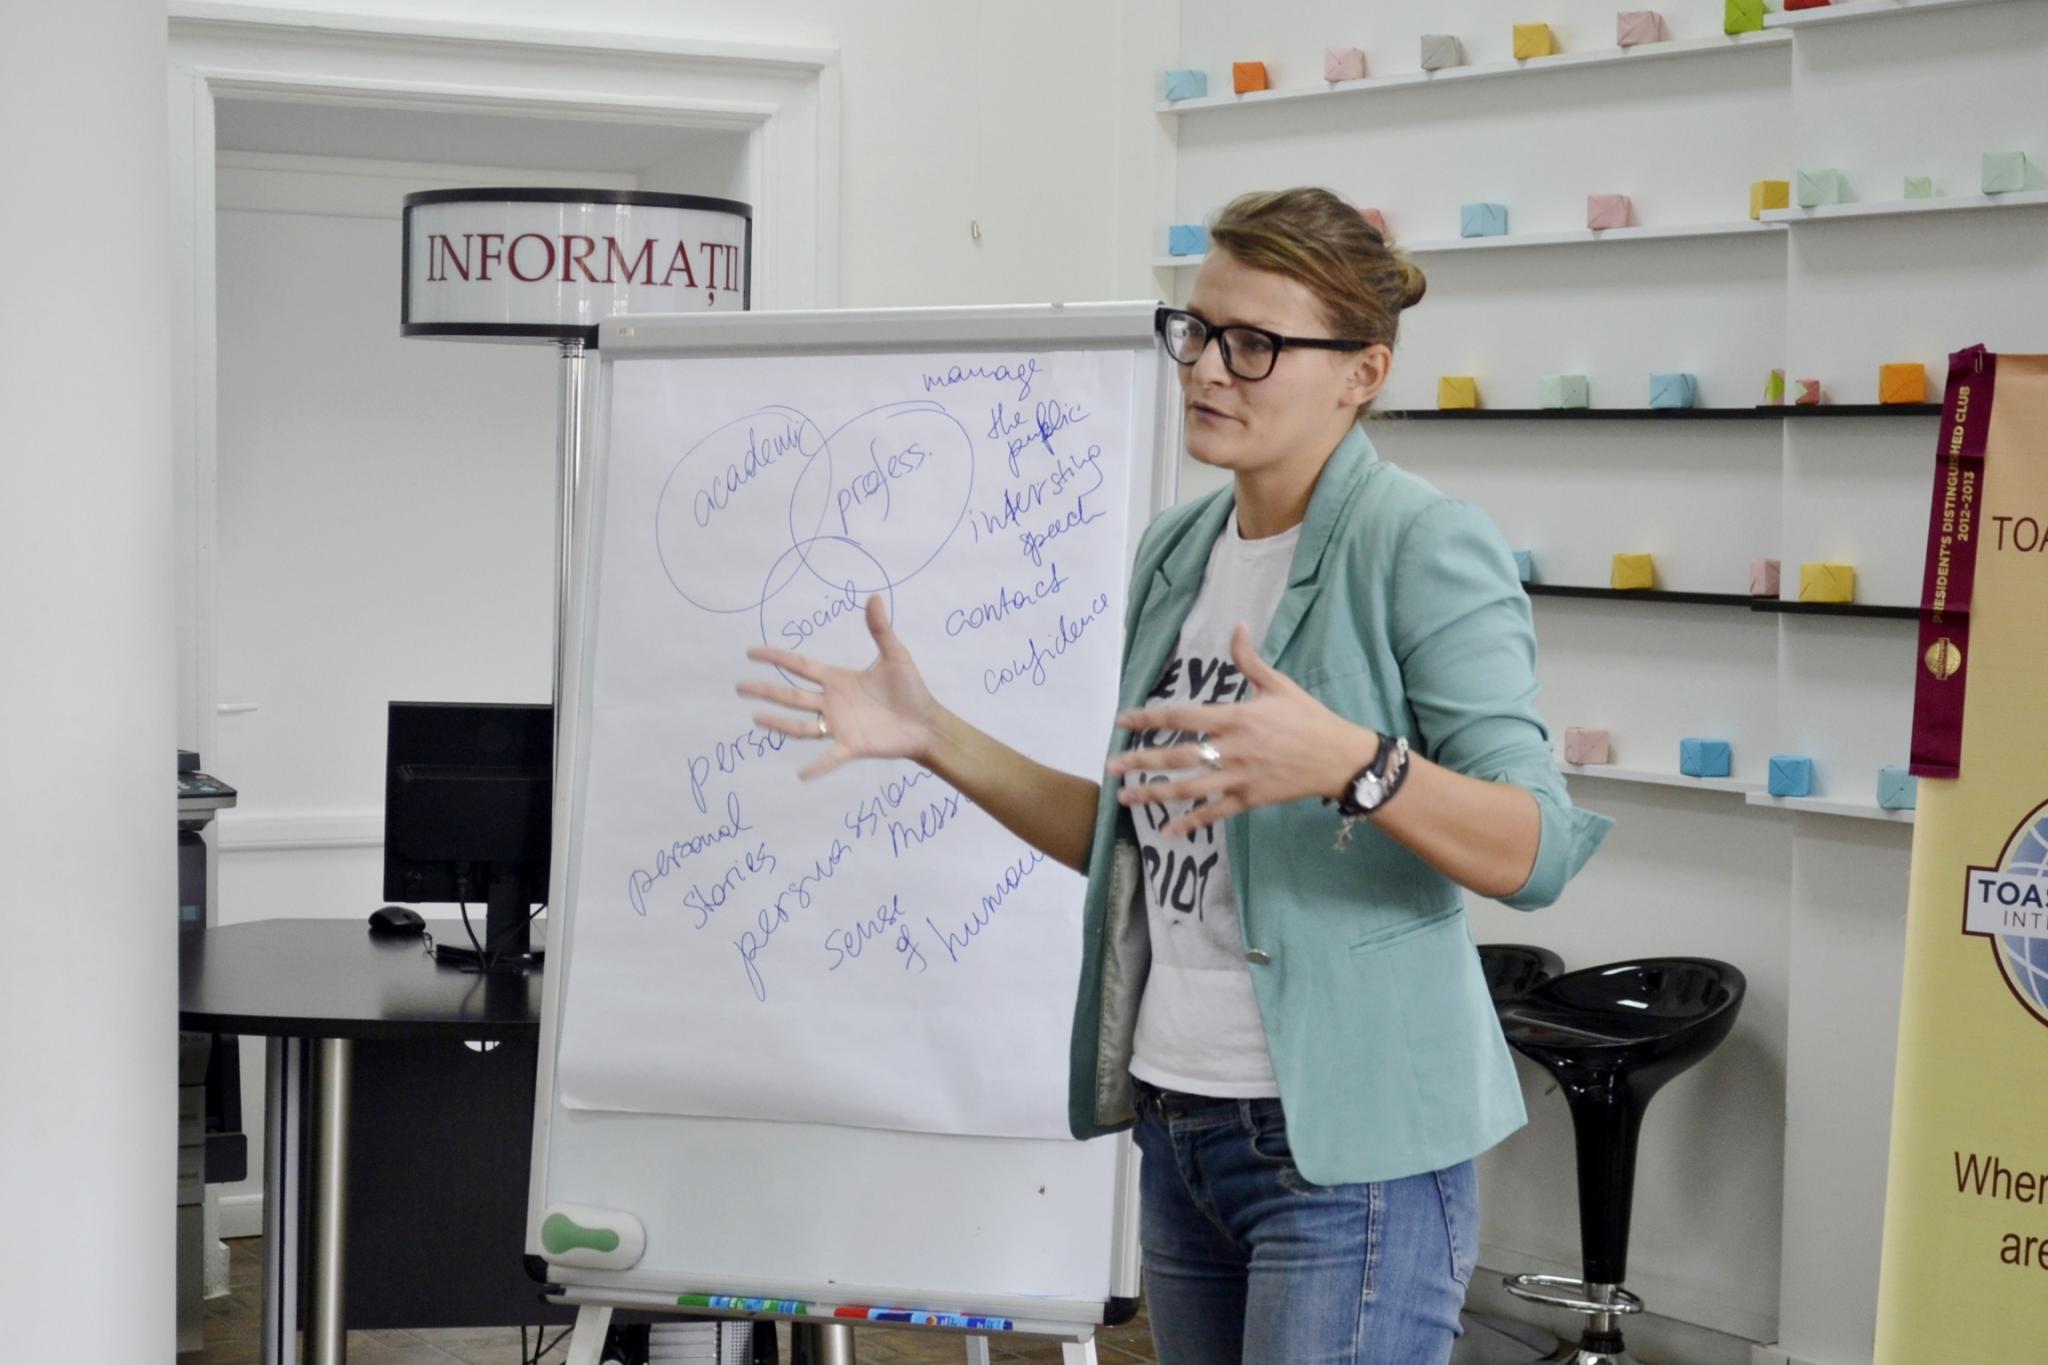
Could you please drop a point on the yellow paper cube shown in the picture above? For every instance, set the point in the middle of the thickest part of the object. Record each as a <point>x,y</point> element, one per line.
<point>1902,383</point>
<point>1769,194</point>
<point>1457,391</point>
<point>1634,573</point>
<point>1827,583</point>
<point>1533,40</point>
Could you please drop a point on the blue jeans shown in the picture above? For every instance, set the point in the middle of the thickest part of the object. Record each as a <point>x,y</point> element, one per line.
<point>1246,1263</point>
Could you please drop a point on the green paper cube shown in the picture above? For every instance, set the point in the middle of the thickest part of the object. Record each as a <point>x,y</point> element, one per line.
<point>2004,172</point>
<point>1919,187</point>
<point>1814,189</point>
<point>1563,391</point>
<point>1743,16</point>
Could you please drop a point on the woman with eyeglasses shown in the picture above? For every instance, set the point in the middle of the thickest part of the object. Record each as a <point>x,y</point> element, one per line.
<point>1336,737</point>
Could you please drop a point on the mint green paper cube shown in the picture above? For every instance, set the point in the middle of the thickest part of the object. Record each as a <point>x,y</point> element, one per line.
<point>1816,189</point>
<point>1564,391</point>
<point>2004,172</point>
<point>1919,187</point>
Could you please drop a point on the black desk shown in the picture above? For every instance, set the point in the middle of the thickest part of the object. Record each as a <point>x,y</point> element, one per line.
<point>360,1030</point>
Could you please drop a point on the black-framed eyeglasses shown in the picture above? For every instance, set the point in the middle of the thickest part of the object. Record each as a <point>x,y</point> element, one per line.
<point>1248,352</point>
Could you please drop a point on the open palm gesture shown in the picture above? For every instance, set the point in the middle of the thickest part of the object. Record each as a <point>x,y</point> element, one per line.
<point>881,711</point>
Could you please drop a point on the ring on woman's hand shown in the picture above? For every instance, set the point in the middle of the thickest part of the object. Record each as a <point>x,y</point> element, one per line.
<point>1212,757</point>
<point>824,730</point>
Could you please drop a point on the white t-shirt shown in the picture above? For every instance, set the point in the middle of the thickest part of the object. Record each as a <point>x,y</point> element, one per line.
<point>1198,1022</point>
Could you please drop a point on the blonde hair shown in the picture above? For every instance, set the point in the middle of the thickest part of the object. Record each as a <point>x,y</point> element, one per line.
<point>1360,282</point>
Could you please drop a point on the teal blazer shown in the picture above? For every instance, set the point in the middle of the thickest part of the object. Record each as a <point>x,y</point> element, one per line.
<point>1404,613</point>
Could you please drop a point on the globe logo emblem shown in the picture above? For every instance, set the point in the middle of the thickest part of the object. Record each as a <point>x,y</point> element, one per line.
<point>1944,660</point>
<point>2008,904</point>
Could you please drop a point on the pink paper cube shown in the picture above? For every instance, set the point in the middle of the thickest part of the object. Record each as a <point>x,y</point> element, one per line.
<point>1376,219</point>
<point>1343,64</point>
<point>1638,26</point>
<point>1606,210</point>
<point>1585,746</point>
<point>1763,578</point>
<point>1806,392</point>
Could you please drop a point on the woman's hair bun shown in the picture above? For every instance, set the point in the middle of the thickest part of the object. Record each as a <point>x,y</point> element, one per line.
<point>1413,284</point>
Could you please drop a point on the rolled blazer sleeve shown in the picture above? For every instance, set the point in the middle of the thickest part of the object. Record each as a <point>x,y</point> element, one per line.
<point>1467,650</point>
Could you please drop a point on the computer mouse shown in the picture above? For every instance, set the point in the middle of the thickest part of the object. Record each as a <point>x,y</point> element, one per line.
<point>397,921</point>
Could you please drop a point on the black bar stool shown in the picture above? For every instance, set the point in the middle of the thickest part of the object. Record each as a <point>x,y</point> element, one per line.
<point>1513,969</point>
<point>1612,1036</point>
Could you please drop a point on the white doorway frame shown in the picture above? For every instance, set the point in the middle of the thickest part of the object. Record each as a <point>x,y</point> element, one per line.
<point>783,101</point>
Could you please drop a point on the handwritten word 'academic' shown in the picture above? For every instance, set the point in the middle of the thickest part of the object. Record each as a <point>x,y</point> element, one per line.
<point>763,450</point>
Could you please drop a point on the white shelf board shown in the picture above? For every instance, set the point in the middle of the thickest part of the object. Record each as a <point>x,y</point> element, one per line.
<point>1862,9</point>
<point>1654,777</point>
<point>1409,80</point>
<point>1893,208</point>
<point>1580,237</point>
<point>1820,805</point>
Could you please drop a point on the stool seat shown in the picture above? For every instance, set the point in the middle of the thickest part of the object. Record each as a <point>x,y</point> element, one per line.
<point>1512,969</point>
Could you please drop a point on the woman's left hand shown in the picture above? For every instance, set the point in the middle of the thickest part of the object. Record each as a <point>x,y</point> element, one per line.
<point>1278,745</point>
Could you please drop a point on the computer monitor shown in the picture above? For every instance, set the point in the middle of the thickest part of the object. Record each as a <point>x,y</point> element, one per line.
<point>469,815</point>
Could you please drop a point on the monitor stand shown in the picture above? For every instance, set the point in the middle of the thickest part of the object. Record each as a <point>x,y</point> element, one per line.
<point>508,946</point>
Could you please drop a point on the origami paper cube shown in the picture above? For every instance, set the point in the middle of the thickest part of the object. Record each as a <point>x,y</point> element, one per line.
<point>1763,578</point>
<point>1376,219</point>
<point>1634,27</point>
<point>1534,40</point>
<point>1919,187</point>
<point>1585,746</point>
<point>1774,389</point>
<point>1246,77</point>
<point>1563,391</point>
<point>1607,210</point>
<point>1769,194</point>
<point>2004,172</point>
<point>1820,187</point>
<point>1806,393</point>
<point>1457,392</point>
<point>1343,64</point>
<point>1791,775</point>
<point>1743,16</point>
<point>1897,788</point>
<point>1827,582</point>
<point>1441,50</point>
<point>1187,239</point>
<point>1673,390</point>
<point>1705,757</point>
<point>1525,565</point>
<point>1185,83</point>
<point>1633,573</point>
<point>1902,383</point>
<point>1483,220</point>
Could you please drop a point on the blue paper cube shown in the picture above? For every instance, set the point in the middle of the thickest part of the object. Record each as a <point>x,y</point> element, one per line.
<point>1187,239</point>
<point>1897,789</point>
<point>1483,220</point>
<point>1704,757</point>
<point>1791,775</point>
<point>1525,566</point>
<point>1673,390</point>
<point>1185,83</point>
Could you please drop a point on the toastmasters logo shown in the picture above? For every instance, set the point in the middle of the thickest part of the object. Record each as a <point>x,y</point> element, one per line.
<point>2008,904</point>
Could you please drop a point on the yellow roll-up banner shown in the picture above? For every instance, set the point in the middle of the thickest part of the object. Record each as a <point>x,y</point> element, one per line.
<point>1965,1277</point>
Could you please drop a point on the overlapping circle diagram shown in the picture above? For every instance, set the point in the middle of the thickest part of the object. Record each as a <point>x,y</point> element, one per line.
<point>771,514</point>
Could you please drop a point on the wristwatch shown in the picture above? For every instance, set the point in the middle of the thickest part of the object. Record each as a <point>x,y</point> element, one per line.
<point>1376,781</point>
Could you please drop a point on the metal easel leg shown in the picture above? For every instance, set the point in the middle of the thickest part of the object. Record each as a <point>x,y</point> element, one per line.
<point>586,1341</point>
<point>821,1343</point>
<point>1078,1352</point>
<point>977,1351</point>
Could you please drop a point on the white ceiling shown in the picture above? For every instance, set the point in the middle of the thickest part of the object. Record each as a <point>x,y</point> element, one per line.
<point>461,137</point>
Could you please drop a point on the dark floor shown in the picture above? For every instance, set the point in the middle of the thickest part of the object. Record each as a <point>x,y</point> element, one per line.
<point>234,1325</point>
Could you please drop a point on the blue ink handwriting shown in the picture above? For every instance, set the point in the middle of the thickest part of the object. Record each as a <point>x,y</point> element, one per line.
<point>1032,665</point>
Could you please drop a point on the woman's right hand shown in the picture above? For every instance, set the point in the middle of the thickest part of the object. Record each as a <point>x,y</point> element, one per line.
<point>881,711</point>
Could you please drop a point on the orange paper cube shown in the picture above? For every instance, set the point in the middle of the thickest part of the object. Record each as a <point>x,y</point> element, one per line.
<point>1902,384</point>
<point>1246,77</point>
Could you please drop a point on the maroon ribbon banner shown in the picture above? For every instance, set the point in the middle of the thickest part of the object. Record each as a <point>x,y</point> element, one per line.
<point>1944,663</point>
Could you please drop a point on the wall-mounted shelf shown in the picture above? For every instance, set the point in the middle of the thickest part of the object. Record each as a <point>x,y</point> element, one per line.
<point>1579,237</point>
<point>1861,9</point>
<point>1778,606</point>
<point>1409,80</point>
<point>1859,410</point>
<point>1696,599</point>
<point>1657,778</point>
<point>1906,208</point>
<point>1578,414</point>
<point>1820,805</point>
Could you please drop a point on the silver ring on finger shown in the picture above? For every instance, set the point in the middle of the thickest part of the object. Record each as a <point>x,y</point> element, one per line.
<point>1211,756</point>
<point>824,730</point>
